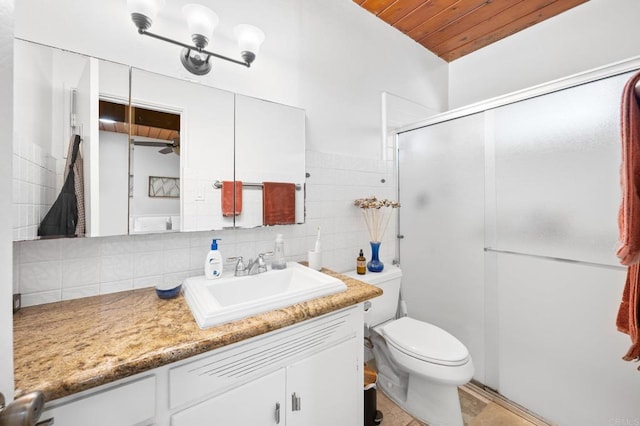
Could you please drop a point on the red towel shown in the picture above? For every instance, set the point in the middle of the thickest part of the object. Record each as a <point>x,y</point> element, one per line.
<point>228,198</point>
<point>629,216</point>
<point>278,203</point>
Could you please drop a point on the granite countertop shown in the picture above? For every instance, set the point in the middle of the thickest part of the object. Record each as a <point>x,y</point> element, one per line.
<point>66,347</point>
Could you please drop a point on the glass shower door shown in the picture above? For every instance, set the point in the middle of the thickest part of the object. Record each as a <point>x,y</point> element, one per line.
<point>441,180</point>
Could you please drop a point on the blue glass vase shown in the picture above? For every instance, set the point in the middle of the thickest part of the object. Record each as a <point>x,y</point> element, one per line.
<point>374,265</point>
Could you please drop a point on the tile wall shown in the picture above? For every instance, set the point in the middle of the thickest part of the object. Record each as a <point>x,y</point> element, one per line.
<point>34,188</point>
<point>59,269</point>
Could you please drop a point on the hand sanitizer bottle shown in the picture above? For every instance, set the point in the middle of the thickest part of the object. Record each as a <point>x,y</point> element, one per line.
<point>279,262</point>
<point>213,264</point>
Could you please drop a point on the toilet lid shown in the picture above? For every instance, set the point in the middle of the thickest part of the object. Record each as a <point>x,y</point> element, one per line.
<point>425,341</point>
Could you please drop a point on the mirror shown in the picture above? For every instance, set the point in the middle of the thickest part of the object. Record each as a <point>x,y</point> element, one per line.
<point>220,137</point>
<point>150,188</point>
<point>55,98</point>
<point>268,133</point>
<point>206,143</point>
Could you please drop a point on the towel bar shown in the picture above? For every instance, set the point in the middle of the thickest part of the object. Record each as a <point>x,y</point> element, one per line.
<point>217,185</point>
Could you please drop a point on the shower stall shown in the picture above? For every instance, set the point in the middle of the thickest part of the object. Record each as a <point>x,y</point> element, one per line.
<point>509,226</point>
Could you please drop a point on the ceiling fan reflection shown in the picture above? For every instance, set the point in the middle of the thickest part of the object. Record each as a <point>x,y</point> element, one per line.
<point>167,147</point>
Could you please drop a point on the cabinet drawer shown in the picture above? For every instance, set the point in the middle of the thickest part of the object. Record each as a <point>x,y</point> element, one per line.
<point>239,363</point>
<point>132,403</point>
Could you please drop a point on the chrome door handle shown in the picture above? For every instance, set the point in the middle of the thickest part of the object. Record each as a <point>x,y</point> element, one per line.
<point>277,413</point>
<point>296,402</point>
<point>24,411</point>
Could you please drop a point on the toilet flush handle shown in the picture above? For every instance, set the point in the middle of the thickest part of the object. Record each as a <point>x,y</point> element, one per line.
<point>367,305</point>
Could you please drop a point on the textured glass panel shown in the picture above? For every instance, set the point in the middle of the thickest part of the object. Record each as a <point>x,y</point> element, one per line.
<point>557,160</point>
<point>441,177</point>
<point>559,350</point>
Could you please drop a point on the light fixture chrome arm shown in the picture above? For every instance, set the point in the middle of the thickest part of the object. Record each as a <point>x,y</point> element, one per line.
<point>201,21</point>
<point>194,48</point>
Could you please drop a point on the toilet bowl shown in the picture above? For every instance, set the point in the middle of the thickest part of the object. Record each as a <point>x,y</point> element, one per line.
<point>420,365</point>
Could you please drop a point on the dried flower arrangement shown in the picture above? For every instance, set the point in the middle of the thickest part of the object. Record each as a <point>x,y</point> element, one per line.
<point>376,215</point>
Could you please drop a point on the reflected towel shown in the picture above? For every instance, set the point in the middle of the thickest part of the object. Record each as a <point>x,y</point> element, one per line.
<point>228,199</point>
<point>278,203</point>
<point>629,216</point>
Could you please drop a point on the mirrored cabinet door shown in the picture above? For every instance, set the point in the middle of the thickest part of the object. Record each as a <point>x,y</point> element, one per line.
<point>270,162</point>
<point>154,152</point>
<point>181,143</point>
<point>55,99</point>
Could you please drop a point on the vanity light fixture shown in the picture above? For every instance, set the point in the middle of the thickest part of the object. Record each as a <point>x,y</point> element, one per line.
<point>201,22</point>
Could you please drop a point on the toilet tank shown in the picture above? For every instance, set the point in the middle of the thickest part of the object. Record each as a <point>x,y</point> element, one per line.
<point>383,308</point>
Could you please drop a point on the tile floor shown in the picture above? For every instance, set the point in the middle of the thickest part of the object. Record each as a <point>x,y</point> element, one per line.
<point>478,409</point>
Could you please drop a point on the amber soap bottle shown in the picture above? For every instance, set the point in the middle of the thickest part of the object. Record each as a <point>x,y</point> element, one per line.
<point>361,264</point>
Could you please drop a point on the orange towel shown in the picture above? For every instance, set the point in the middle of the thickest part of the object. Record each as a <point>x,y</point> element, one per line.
<point>228,199</point>
<point>278,203</point>
<point>629,216</point>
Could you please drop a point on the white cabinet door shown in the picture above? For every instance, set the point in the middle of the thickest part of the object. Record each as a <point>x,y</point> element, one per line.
<point>129,404</point>
<point>255,403</point>
<point>328,388</point>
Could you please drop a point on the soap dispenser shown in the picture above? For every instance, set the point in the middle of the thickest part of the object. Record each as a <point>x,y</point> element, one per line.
<point>279,262</point>
<point>213,264</point>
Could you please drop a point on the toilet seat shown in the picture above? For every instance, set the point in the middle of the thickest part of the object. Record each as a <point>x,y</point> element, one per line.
<point>425,342</point>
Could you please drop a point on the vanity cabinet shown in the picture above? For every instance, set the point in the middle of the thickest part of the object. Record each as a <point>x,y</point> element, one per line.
<point>318,390</point>
<point>306,374</point>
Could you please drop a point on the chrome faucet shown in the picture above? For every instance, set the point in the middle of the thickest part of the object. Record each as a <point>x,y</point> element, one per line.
<point>240,269</point>
<point>259,265</point>
<point>252,267</point>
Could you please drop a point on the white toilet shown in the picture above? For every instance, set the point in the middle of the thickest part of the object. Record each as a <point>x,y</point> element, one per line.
<point>420,366</point>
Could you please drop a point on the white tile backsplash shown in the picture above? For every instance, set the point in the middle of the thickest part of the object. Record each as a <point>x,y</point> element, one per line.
<point>115,286</point>
<point>175,260</point>
<point>116,268</point>
<point>41,297</point>
<point>147,264</point>
<point>79,248</point>
<point>80,272</point>
<point>78,292</point>
<point>52,270</point>
<point>117,245</point>
<point>40,276</point>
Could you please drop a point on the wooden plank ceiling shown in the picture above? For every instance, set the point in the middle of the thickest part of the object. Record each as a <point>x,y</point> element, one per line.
<point>147,122</point>
<point>454,28</point>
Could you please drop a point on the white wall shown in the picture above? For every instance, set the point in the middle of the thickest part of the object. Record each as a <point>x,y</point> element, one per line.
<point>6,136</point>
<point>594,34</point>
<point>330,58</point>
<point>147,161</point>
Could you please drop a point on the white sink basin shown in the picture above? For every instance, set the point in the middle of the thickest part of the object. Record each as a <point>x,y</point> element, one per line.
<point>230,298</point>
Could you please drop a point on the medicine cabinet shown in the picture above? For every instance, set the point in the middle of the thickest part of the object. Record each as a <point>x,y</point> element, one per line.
<point>162,173</point>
